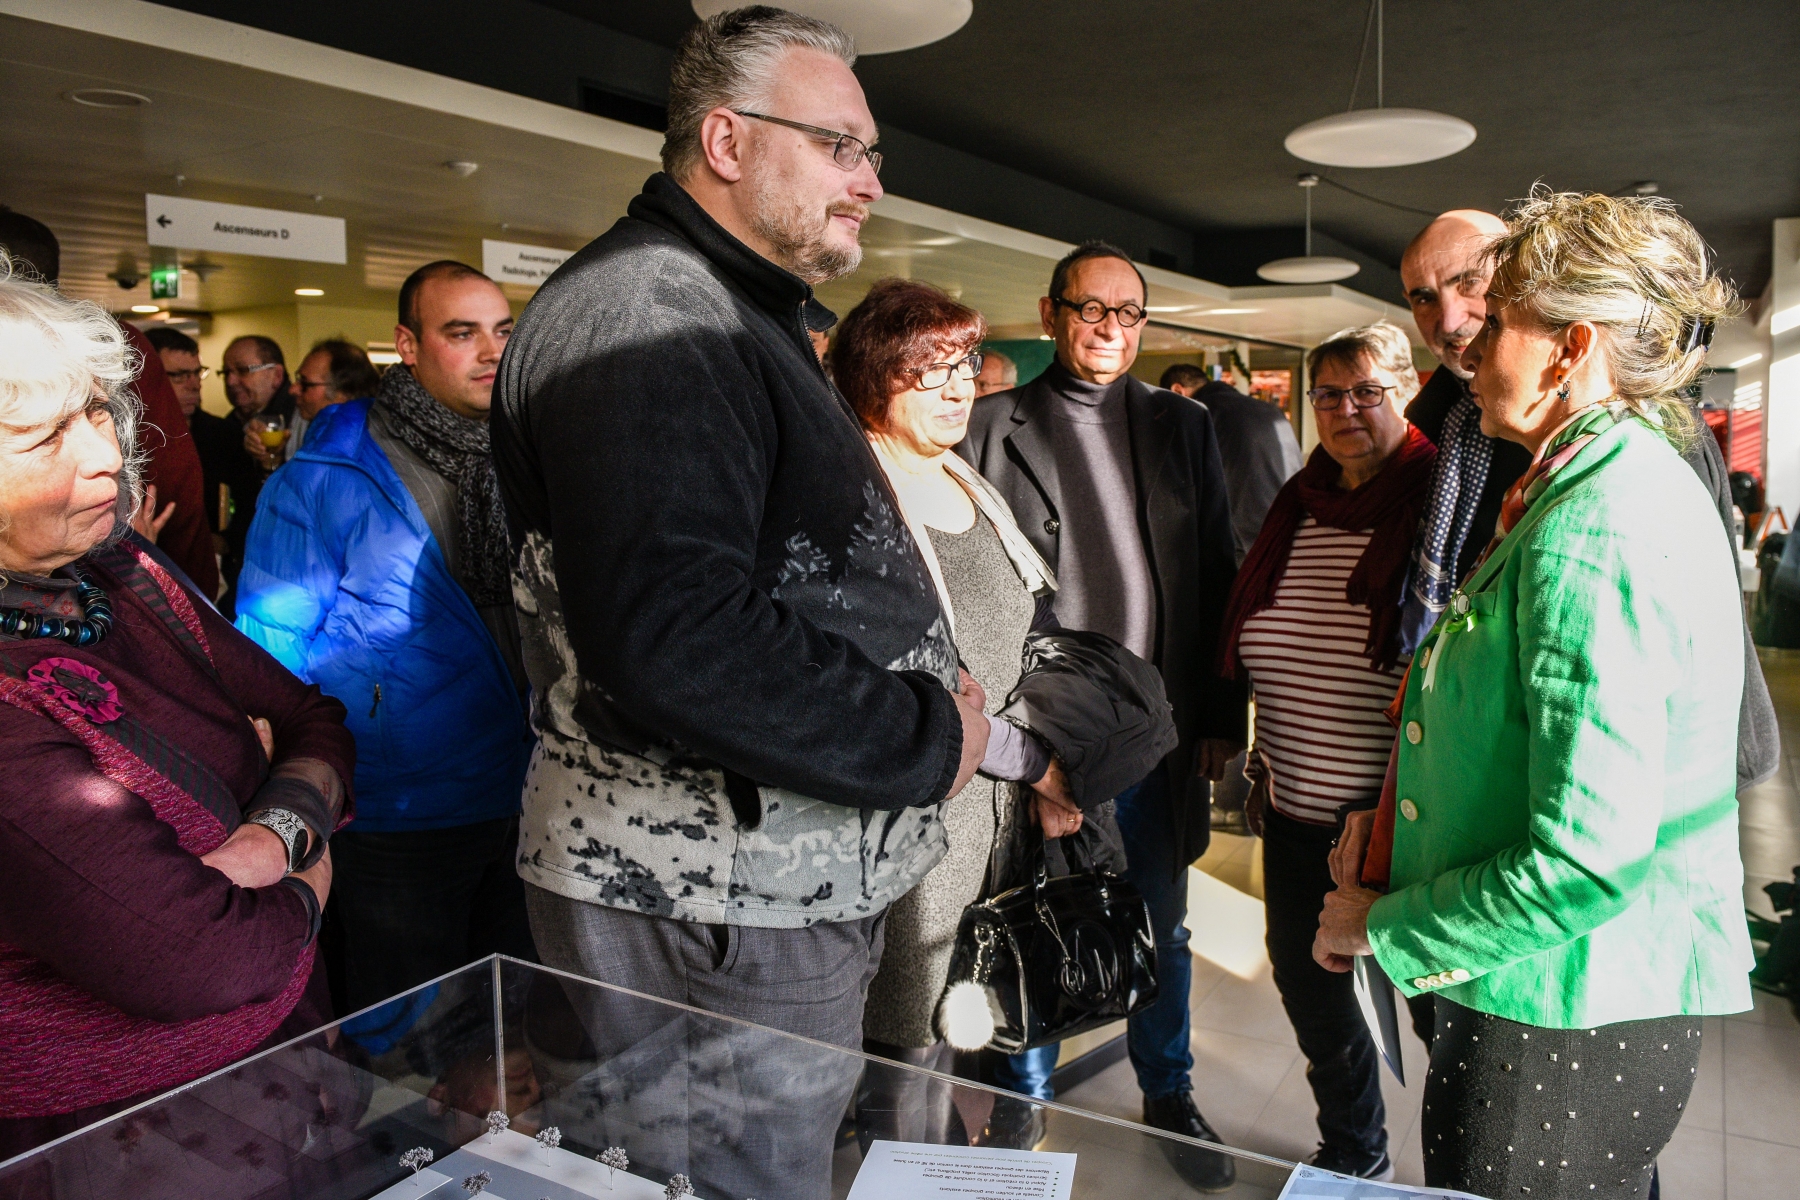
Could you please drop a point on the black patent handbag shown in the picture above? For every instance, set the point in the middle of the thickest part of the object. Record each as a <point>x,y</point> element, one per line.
<point>1047,960</point>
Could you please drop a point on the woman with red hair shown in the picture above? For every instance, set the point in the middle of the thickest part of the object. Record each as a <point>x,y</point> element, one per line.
<point>906,358</point>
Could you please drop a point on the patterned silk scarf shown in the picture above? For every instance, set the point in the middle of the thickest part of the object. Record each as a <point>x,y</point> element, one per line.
<point>1557,452</point>
<point>1457,482</point>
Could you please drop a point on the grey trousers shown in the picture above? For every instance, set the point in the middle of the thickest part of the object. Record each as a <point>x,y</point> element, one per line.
<point>740,1110</point>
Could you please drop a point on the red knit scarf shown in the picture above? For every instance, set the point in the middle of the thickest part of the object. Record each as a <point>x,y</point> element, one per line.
<point>62,1048</point>
<point>1389,504</point>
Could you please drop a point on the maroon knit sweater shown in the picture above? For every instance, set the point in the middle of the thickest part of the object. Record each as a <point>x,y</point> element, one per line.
<point>100,892</point>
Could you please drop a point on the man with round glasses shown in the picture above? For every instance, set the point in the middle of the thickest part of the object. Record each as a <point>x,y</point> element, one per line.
<point>1119,486</point>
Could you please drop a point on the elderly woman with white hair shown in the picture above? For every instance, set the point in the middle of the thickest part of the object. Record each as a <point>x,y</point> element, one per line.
<point>166,787</point>
<point>1315,619</point>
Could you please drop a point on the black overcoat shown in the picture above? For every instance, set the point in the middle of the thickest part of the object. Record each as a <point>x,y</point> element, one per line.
<point>1185,520</point>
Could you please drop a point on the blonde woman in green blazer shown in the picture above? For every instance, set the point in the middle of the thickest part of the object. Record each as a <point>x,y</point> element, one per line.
<point>1565,876</point>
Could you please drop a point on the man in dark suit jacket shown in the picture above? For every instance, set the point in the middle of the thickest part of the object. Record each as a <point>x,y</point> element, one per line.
<point>1256,443</point>
<point>1119,486</point>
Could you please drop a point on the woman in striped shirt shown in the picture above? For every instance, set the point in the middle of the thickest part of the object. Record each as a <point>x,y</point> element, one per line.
<point>1314,618</point>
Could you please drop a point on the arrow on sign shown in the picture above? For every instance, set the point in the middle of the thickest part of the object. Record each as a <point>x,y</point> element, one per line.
<point>163,221</point>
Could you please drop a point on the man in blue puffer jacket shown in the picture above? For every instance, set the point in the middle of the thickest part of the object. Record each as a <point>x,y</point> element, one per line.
<point>378,568</point>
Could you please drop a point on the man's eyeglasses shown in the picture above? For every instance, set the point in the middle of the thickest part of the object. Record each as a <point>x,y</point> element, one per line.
<point>1092,312</point>
<point>938,374</point>
<point>307,385</point>
<point>245,372</point>
<point>1363,395</point>
<point>187,373</point>
<point>847,153</point>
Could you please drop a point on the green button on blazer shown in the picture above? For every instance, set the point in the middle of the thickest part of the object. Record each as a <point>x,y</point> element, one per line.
<point>1567,849</point>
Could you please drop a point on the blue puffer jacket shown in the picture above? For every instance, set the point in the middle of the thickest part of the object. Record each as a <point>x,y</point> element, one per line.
<point>344,583</point>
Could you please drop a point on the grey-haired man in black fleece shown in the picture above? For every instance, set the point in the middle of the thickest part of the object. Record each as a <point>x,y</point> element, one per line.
<point>745,692</point>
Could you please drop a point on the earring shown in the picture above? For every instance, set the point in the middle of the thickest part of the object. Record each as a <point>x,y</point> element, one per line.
<point>1562,393</point>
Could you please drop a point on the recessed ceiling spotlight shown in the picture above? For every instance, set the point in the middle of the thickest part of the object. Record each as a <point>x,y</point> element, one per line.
<point>1647,187</point>
<point>1380,136</point>
<point>462,167</point>
<point>879,26</point>
<point>106,98</point>
<point>309,291</point>
<point>146,308</point>
<point>1741,363</point>
<point>1310,268</point>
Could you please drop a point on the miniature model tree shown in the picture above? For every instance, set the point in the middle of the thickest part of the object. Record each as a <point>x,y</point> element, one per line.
<point>417,1159</point>
<point>614,1159</point>
<point>678,1187</point>
<point>498,1123</point>
<point>477,1183</point>
<point>549,1137</point>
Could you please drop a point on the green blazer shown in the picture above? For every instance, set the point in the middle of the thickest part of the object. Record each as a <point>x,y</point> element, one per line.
<point>1566,851</point>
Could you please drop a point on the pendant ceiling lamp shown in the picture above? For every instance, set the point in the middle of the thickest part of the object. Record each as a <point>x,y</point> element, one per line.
<point>1312,268</point>
<point>1379,136</point>
<point>879,26</point>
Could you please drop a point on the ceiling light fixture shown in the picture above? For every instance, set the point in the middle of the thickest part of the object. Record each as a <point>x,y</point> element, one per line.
<point>1232,312</point>
<point>146,308</point>
<point>1310,268</point>
<point>462,167</point>
<point>106,98</point>
<point>309,291</point>
<point>1379,136</point>
<point>879,26</point>
<point>1741,363</point>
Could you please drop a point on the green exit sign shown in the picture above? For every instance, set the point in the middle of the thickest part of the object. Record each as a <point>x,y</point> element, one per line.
<point>165,282</point>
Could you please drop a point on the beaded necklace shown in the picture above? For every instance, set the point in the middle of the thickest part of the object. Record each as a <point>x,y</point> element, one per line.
<point>96,618</point>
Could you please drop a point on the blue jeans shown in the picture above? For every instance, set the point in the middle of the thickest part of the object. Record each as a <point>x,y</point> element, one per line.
<point>1156,1037</point>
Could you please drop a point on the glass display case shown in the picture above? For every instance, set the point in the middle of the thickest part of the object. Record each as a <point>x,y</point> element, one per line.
<point>510,1080</point>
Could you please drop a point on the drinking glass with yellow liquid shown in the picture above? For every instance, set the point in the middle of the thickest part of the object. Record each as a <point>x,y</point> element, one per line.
<point>271,429</point>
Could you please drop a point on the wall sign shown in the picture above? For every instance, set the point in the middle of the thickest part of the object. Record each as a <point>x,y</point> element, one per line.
<point>240,229</point>
<point>515,262</point>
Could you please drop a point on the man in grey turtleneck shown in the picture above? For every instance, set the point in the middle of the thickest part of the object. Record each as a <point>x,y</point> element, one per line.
<point>1102,568</point>
<point>1119,486</point>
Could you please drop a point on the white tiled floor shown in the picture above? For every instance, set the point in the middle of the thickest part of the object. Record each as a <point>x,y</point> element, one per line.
<point>1739,1141</point>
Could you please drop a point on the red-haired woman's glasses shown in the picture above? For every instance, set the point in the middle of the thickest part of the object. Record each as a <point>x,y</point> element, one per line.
<point>938,374</point>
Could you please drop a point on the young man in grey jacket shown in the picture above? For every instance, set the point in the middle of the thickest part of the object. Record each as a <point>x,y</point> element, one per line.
<point>744,687</point>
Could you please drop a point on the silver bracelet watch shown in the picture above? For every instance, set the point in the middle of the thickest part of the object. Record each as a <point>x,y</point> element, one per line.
<point>289,828</point>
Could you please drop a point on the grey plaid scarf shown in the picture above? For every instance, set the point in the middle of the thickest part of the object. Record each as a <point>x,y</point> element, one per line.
<point>458,449</point>
<point>1456,484</point>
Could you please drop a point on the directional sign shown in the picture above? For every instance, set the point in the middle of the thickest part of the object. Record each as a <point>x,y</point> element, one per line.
<point>240,229</point>
<point>515,262</point>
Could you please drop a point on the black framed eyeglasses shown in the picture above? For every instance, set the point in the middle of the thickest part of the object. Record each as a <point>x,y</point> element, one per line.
<point>1092,312</point>
<point>187,373</point>
<point>938,374</point>
<point>848,151</point>
<point>1363,395</point>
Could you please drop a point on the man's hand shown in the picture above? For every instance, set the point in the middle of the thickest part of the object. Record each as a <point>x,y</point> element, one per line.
<point>147,521</point>
<point>1344,928</point>
<point>969,703</point>
<point>253,856</point>
<point>253,446</point>
<point>1352,847</point>
<point>1052,807</point>
<point>971,689</point>
<point>1213,755</point>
